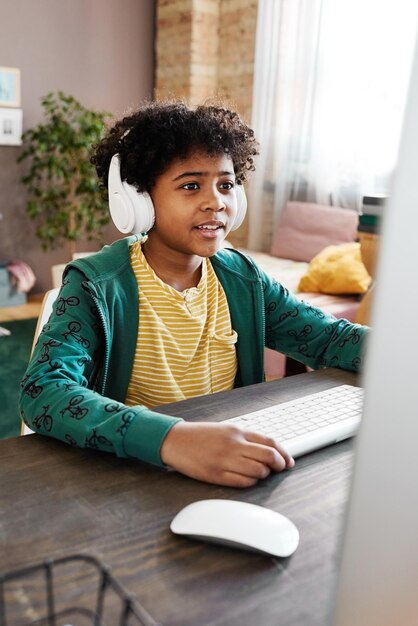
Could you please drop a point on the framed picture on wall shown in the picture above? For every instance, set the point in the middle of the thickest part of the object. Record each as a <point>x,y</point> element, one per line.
<point>10,127</point>
<point>9,87</point>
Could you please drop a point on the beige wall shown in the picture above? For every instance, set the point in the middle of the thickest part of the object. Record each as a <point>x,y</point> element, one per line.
<point>205,49</point>
<point>99,51</point>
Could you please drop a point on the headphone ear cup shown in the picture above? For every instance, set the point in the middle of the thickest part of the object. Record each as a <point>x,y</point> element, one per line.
<point>143,209</point>
<point>241,206</point>
<point>131,211</point>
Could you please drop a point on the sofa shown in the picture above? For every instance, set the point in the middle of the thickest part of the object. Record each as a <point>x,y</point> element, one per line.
<point>304,230</point>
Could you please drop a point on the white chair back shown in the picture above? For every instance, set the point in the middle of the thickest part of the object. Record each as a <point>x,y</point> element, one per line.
<point>45,312</point>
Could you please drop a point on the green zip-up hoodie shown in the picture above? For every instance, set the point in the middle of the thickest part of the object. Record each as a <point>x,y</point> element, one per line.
<point>76,382</point>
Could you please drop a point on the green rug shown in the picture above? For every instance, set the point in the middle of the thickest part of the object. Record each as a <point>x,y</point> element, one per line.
<point>14,356</point>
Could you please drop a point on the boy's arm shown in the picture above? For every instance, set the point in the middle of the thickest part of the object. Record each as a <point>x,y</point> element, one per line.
<point>308,334</point>
<point>56,398</point>
<point>223,453</point>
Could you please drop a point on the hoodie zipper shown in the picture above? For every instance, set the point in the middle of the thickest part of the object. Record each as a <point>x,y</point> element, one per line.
<point>106,356</point>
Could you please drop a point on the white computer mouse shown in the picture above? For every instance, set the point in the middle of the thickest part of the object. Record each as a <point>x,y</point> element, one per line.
<point>238,525</point>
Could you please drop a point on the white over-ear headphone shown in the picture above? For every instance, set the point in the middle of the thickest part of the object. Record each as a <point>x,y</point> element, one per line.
<point>133,211</point>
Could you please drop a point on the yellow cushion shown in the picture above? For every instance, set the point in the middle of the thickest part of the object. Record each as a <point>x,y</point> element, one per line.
<point>338,270</point>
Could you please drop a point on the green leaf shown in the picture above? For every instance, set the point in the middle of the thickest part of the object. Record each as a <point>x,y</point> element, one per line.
<point>61,180</point>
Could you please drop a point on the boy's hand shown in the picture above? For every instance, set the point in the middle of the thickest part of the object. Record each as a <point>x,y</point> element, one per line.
<point>223,454</point>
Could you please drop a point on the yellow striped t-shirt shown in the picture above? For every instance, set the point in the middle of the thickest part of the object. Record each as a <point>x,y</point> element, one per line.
<point>185,345</point>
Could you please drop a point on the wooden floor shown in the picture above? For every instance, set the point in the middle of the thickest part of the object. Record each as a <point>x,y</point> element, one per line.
<point>23,311</point>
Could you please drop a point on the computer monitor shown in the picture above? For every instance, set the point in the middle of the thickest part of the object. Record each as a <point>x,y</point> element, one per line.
<point>378,581</point>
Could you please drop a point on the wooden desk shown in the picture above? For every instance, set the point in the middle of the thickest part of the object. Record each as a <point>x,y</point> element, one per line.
<point>56,500</point>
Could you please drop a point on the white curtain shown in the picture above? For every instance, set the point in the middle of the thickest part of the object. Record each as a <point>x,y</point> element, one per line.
<point>330,84</point>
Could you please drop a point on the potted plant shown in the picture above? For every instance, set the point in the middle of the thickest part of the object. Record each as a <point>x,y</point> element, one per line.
<point>63,191</point>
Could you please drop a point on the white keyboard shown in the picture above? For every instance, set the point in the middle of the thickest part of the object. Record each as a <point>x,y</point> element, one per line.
<point>310,422</point>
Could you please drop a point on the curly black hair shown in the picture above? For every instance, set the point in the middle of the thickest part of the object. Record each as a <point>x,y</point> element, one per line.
<point>150,139</point>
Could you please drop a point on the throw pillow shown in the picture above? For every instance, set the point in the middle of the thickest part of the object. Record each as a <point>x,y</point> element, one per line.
<point>337,270</point>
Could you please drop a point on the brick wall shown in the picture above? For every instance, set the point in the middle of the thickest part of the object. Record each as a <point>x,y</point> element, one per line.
<point>237,29</point>
<point>205,50</point>
<point>173,48</point>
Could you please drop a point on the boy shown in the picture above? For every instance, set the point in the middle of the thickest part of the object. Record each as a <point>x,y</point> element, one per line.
<point>158,318</point>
